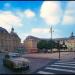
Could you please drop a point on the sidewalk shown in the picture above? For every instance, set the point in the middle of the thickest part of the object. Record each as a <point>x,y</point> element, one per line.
<point>64,56</point>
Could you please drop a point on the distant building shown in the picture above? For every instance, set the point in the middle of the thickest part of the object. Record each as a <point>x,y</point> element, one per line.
<point>8,41</point>
<point>21,49</point>
<point>70,42</point>
<point>30,43</point>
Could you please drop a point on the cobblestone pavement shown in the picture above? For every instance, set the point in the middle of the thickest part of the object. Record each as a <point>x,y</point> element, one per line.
<point>64,56</point>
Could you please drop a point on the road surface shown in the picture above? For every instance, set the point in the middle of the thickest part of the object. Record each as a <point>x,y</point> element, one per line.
<point>35,64</point>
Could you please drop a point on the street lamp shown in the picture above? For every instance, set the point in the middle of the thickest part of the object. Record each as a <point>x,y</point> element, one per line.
<point>51,31</point>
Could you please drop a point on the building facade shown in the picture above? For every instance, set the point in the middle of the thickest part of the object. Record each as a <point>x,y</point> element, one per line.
<point>8,41</point>
<point>30,43</point>
<point>70,42</point>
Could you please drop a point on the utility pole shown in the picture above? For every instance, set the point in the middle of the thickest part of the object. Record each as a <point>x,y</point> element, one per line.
<point>51,31</point>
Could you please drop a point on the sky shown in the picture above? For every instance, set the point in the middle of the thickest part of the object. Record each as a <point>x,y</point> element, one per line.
<point>36,17</point>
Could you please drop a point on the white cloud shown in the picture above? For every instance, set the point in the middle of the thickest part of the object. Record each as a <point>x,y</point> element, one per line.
<point>51,12</point>
<point>68,20</point>
<point>40,33</point>
<point>47,35</point>
<point>40,30</point>
<point>44,33</point>
<point>69,15</point>
<point>19,13</point>
<point>29,13</point>
<point>8,19</point>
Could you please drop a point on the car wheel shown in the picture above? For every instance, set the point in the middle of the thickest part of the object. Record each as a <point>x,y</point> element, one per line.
<point>9,64</point>
<point>4,62</point>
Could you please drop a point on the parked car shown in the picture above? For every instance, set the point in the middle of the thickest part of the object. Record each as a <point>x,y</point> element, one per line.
<point>15,61</point>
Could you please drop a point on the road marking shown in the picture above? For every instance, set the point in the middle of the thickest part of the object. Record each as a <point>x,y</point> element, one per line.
<point>63,66</point>
<point>43,72</point>
<point>64,62</point>
<point>59,69</point>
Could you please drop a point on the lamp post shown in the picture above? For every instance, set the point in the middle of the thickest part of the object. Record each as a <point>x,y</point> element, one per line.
<point>51,31</point>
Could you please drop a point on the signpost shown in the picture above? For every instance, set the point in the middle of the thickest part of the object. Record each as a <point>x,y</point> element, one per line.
<point>59,49</point>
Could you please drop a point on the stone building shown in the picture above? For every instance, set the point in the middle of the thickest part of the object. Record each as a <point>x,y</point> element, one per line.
<point>70,42</point>
<point>30,43</point>
<point>8,41</point>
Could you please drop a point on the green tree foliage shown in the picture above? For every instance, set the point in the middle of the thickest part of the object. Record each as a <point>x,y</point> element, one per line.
<point>51,44</point>
<point>44,44</point>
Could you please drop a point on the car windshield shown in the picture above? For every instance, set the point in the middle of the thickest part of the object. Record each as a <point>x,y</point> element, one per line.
<point>15,56</point>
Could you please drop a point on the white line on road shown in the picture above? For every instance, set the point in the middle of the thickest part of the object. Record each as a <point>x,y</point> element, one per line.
<point>59,69</point>
<point>43,72</point>
<point>65,62</point>
<point>64,66</point>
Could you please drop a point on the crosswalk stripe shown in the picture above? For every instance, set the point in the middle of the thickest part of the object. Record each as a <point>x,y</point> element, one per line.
<point>59,69</point>
<point>43,72</point>
<point>66,62</point>
<point>63,66</point>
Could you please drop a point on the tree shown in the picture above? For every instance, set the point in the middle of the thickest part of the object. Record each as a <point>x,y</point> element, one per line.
<point>42,45</point>
<point>51,44</point>
<point>45,45</point>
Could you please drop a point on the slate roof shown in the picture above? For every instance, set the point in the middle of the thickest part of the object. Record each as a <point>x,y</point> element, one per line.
<point>14,34</point>
<point>56,39</point>
<point>3,30</point>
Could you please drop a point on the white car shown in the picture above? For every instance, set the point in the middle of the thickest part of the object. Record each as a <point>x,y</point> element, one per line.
<point>15,61</point>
